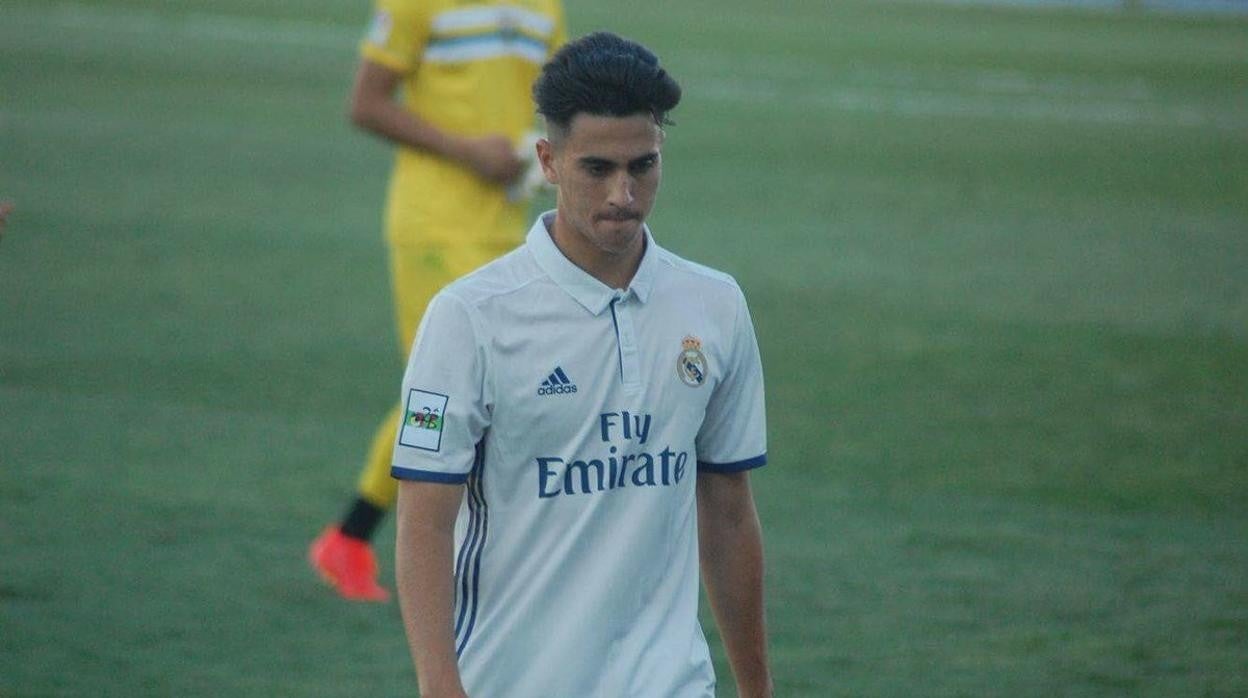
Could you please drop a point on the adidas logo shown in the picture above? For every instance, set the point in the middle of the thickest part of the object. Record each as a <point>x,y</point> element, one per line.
<point>557,383</point>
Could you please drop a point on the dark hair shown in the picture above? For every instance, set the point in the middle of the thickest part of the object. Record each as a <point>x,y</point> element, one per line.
<point>604,75</point>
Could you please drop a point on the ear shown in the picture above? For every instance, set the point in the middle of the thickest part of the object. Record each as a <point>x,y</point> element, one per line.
<point>546,157</point>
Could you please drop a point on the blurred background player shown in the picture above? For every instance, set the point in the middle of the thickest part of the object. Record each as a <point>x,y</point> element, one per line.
<point>450,85</point>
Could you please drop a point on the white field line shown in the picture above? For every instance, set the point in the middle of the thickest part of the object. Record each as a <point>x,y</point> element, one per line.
<point>783,67</point>
<point>1171,6</point>
<point>211,27</point>
<point>919,102</point>
<point>950,93</point>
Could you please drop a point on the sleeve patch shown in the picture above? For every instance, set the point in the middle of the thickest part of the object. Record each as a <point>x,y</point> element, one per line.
<point>423,419</point>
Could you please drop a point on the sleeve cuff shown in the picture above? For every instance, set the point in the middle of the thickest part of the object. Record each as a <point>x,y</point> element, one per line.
<point>427,476</point>
<point>733,467</point>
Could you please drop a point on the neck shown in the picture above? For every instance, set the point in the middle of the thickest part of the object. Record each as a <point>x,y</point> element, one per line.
<point>614,269</point>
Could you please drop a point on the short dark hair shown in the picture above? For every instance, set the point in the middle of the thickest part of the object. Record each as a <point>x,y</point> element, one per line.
<point>604,75</point>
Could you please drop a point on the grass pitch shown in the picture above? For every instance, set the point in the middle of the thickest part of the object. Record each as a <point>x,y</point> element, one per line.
<point>996,259</point>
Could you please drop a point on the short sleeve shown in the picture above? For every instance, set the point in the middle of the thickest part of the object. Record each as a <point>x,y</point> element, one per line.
<point>444,403</point>
<point>733,436</point>
<point>397,34</point>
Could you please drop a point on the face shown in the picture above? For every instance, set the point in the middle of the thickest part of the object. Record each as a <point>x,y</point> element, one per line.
<point>607,170</point>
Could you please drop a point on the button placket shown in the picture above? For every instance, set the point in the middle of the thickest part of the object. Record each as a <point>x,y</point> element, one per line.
<point>626,335</point>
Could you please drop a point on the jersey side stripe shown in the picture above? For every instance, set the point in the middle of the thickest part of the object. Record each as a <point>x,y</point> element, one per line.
<point>472,578</point>
<point>459,562</point>
<point>461,576</point>
<point>473,537</point>
<point>476,570</point>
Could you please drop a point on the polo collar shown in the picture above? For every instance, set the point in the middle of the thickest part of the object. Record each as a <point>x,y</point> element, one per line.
<point>591,293</point>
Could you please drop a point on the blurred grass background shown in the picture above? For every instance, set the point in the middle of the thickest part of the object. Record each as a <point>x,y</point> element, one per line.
<point>996,259</point>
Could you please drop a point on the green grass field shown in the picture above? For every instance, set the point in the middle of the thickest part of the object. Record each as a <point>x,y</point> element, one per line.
<point>997,259</point>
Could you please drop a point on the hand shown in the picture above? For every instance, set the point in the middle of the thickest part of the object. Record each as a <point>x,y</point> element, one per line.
<point>492,157</point>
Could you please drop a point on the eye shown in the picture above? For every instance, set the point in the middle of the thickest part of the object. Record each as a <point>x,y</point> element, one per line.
<point>641,167</point>
<point>597,169</point>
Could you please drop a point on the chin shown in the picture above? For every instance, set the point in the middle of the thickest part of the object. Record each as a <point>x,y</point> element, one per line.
<point>619,240</point>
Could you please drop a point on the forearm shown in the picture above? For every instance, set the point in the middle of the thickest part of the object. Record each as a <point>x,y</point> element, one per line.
<point>389,120</point>
<point>376,109</point>
<point>424,549</point>
<point>732,570</point>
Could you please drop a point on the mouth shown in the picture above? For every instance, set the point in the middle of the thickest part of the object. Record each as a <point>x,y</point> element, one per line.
<point>619,217</point>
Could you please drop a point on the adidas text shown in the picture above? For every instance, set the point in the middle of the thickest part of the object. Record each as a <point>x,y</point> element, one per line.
<point>556,389</point>
<point>557,383</point>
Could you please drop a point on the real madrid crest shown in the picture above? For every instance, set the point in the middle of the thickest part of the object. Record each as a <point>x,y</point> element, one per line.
<point>691,364</point>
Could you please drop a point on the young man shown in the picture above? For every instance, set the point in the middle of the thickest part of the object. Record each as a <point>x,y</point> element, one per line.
<point>580,419</point>
<point>449,84</point>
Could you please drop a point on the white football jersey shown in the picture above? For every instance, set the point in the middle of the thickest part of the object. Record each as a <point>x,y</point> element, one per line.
<point>579,417</point>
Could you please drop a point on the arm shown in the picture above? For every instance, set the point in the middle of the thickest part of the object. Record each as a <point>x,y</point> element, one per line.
<point>375,109</point>
<point>731,544</point>
<point>424,552</point>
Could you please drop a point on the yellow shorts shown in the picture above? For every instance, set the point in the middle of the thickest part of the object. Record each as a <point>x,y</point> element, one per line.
<point>417,272</point>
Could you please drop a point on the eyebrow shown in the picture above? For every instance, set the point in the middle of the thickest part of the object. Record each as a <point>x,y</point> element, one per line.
<point>595,160</point>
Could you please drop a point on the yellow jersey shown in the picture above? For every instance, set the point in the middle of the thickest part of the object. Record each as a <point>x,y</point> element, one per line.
<point>468,68</point>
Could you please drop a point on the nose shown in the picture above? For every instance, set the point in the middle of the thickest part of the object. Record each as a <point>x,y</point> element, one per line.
<point>620,194</point>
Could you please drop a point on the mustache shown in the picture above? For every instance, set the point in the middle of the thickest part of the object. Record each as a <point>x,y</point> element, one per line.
<point>619,216</point>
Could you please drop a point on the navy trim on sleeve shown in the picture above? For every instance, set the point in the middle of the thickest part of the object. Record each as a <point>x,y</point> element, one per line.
<point>738,466</point>
<point>427,476</point>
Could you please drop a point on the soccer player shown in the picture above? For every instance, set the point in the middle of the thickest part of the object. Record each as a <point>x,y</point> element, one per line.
<point>580,420</point>
<point>450,84</point>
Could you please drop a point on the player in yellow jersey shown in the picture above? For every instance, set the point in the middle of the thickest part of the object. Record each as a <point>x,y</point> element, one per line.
<point>449,82</point>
